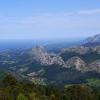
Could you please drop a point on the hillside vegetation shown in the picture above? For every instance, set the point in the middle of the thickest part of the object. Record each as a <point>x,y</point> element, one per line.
<point>11,89</point>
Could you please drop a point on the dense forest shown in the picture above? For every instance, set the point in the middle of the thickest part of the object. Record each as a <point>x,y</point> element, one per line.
<point>12,89</point>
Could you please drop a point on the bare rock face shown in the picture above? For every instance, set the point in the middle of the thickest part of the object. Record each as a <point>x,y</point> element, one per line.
<point>41,55</point>
<point>77,63</point>
<point>56,59</point>
<point>95,66</point>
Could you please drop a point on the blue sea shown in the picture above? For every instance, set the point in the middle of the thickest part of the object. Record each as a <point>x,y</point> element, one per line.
<point>23,44</point>
<point>14,44</point>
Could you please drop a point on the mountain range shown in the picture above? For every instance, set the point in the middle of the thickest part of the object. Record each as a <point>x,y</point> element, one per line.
<point>73,64</point>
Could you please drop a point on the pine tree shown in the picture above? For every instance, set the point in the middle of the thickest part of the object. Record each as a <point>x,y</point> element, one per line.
<point>21,96</point>
<point>33,96</point>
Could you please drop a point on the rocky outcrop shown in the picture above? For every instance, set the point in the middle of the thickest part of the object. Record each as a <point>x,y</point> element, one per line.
<point>41,55</point>
<point>95,66</point>
<point>77,63</point>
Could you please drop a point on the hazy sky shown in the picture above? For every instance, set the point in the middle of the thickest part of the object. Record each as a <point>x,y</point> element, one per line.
<point>27,19</point>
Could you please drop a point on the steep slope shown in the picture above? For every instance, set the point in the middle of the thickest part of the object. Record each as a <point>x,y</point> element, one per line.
<point>93,39</point>
<point>76,63</point>
<point>95,66</point>
<point>88,54</point>
<point>76,49</point>
<point>41,55</point>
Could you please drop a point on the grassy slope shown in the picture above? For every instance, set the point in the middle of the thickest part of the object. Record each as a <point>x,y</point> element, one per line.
<point>95,82</point>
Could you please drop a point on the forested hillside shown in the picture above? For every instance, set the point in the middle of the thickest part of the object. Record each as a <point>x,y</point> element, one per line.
<point>11,89</point>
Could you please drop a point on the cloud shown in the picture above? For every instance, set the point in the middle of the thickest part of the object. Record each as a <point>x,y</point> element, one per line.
<point>91,11</point>
<point>51,25</point>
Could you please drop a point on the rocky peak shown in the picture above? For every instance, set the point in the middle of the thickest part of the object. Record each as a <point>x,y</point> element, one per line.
<point>76,62</point>
<point>93,39</point>
<point>41,55</point>
<point>39,49</point>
